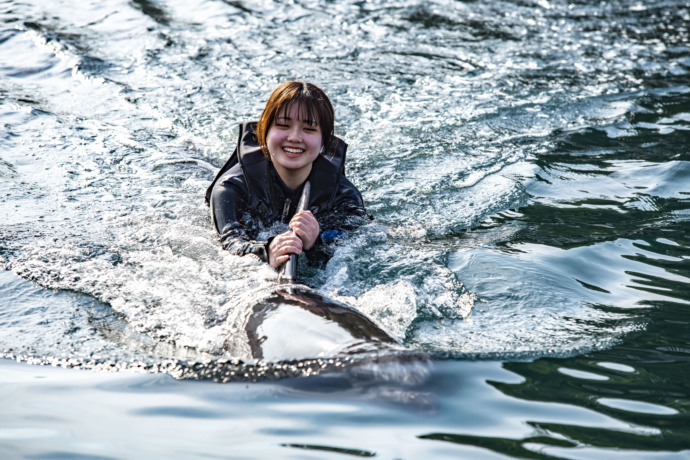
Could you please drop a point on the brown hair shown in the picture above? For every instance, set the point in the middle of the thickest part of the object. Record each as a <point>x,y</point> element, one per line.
<point>310,99</point>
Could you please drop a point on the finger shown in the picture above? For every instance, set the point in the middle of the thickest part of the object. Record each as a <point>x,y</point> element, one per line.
<point>307,235</point>
<point>278,240</point>
<point>292,247</point>
<point>297,226</point>
<point>282,259</point>
<point>291,250</point>
<point>301,228</point>
<point>283,236</point>
<point>285,239</point>
<point>279,259</point>
<point>293,240</point>
<point>299,217</point>
<point>303,216</point>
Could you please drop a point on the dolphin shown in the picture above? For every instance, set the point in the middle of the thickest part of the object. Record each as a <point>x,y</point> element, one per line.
<point>295,322</point>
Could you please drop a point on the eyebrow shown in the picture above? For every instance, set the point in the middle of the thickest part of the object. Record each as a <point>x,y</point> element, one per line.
<point>309,122</point>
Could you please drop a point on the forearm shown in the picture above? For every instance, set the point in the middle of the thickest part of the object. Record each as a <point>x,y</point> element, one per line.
<point>237,242</point>
<point>228,201</point>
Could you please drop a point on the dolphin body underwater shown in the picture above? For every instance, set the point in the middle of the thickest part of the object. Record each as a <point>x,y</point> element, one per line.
<point>295,331</point>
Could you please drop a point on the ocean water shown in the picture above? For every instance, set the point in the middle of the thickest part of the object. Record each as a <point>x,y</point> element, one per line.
<point>528,167</point>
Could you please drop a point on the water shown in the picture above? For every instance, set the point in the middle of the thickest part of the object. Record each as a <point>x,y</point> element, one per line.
<point>527,164</point>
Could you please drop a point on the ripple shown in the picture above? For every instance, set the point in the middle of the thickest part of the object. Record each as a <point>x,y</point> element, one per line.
<point>636,406</point>
<point>581,374</point>
<point>28,433</point>
<point>616,367</point>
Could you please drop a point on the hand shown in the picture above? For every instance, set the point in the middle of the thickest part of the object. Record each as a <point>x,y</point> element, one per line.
<point>282,246</point>
<point>305,225</point>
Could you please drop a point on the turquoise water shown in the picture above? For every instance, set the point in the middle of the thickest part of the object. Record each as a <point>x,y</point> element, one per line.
<point>528,165</point>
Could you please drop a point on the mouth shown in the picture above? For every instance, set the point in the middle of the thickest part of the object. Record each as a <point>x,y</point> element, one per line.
<point>293,152</point>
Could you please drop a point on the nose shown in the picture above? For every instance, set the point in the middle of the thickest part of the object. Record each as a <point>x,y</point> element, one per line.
<point>294,133</point>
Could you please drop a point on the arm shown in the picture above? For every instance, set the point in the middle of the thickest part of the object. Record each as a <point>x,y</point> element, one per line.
<point>229,213</point>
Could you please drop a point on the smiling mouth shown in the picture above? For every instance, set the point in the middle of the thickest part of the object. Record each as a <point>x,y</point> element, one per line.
<point>291,151</point>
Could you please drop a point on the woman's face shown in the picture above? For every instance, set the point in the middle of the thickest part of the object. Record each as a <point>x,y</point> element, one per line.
<point>293,141</point>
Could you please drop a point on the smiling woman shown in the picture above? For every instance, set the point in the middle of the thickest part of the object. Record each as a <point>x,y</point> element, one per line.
<point>257,191</point>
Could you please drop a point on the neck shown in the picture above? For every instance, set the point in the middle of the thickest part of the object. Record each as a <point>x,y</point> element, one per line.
<point>293,179</point>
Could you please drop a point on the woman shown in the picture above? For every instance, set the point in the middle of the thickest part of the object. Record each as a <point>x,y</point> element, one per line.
<point>262,181</point>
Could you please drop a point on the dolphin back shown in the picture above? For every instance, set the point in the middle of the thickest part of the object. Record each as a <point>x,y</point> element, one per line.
<point>297,323</point>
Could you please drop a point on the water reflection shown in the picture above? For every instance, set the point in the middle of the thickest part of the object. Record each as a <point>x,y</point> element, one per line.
<point>639,383</point>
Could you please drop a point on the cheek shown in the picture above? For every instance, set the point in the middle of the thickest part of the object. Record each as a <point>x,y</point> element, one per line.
<point>273,139</point>
<point>270,135</point>
<point>317,141</point>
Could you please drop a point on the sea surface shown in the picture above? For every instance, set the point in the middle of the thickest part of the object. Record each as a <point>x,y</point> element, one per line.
<point>528,167</point>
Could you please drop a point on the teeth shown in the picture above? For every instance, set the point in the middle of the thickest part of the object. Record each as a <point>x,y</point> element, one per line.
<point>293,151</point>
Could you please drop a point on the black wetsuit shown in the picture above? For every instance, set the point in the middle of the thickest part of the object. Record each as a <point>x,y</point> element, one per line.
<point>248,195</point>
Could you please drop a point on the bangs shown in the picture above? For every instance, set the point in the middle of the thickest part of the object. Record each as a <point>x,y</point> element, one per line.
<point>308,111</point>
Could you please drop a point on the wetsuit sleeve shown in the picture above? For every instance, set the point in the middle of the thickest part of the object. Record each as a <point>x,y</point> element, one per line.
<point>346,215</point>
<point>232,221</point>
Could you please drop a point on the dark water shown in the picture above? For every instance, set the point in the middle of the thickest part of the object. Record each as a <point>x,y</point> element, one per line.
<point>528,164</point>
